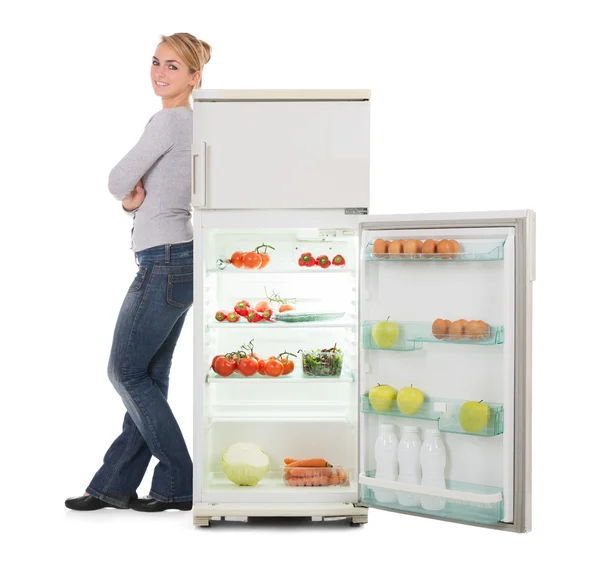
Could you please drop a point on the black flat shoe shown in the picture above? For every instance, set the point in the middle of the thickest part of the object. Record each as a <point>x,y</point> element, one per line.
<point>155,505</point>
<point>90,503</point>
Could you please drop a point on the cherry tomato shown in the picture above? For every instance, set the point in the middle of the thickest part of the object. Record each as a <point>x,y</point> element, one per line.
<point>236,259</point>
<point>252,260</point>
<point>273,367</point>
<point>224,366</point>
<point>248,366</point>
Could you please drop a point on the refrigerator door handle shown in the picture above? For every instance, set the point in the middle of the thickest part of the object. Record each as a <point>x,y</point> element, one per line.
<point>202,155</point>
<point>531,244</point>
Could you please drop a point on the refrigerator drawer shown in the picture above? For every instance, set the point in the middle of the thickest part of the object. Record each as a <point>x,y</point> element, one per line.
<point>280,154</point>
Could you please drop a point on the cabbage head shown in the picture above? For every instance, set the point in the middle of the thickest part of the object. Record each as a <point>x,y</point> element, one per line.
<point>245,464</point>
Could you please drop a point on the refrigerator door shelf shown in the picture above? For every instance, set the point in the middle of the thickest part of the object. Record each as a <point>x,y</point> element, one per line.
<point>461,501</point>
<point>414,334</point>
<point>315,271</point>
<point>446,412</point>
<point>470,252</point>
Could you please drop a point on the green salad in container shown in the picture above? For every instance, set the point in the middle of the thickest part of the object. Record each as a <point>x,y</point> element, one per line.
<point>326,362</point>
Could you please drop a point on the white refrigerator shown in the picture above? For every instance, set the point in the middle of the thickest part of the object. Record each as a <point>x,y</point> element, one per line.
<point>289,169</point>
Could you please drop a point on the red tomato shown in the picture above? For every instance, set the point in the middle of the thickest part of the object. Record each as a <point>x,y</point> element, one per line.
<point>248,366</point>
<point>261,366</point>
<point>273,367</point>
<point>233,317</point>
<point>288,366</point>
<point>253,316</point>
<point>268,314</point>
<point>224,366</point>
<point>252,260</point>
<point>236,259</point>
<point>214,360</point>
<point>221,315</point>
<point>266,259</point>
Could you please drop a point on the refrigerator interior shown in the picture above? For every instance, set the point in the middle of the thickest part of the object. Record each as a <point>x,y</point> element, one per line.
<point>291,416</point>
<point>414,291</point>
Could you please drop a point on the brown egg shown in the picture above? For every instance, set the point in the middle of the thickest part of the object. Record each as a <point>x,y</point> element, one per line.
<point>444,248</point>
<point>419,245</point>
<point>457,329</point>
<point>379,248</point>
<point>455,248</point>
<point>476,330</point>
<point>410,247</point>
<point>395,249</point>
<point>428,248</point>
<point>440,328</point>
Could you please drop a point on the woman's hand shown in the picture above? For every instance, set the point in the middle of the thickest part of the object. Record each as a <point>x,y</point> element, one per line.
<point>135,198</point>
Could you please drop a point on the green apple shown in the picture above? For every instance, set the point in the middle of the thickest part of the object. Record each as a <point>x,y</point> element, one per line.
<point>382,397</point>
<point>410,400</point>
<point>385,333</point>
<point>474,416</point>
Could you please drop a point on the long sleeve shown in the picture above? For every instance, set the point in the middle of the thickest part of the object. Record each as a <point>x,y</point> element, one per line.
<point>158,138</point>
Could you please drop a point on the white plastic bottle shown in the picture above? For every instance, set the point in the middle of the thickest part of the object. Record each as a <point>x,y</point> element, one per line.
<point>386,460</point>
<point>409,464</point>
<point>433,464</point>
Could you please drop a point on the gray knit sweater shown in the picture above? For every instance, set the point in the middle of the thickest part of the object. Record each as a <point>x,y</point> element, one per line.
<point>162,160</point>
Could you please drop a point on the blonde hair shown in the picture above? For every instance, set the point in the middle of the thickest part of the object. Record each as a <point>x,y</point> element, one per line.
<point>194,52</point>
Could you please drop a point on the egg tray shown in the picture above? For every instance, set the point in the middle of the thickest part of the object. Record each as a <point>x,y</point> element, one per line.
<point>445,411</point>
<point>489,251</point>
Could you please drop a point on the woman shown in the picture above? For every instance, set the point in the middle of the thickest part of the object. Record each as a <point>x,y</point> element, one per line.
<point>154,309</point>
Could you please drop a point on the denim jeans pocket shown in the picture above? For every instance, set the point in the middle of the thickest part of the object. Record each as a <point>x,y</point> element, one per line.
<point>180,289</point>
<point>138,281</point>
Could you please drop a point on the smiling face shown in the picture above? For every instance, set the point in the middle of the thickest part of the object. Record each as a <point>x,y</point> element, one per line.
<point>171,78</point>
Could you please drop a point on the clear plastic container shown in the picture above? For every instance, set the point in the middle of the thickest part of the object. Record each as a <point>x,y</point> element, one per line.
<point>316,476</point>
<point>322,363</point>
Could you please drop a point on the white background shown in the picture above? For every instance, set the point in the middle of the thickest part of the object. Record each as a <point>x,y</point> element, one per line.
<point>475,106</point>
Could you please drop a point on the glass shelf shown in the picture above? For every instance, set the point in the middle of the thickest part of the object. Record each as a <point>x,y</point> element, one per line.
<point>445,412</point>
<point>478,252</point>
<point>294,378</point>
<point>229,270</point>
<point>461,501</point>
<point>414,334</point>
<point>243,323</point>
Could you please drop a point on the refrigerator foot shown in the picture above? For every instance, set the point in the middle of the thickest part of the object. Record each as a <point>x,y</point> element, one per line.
<point>202,521</point>
<point>358,520</point>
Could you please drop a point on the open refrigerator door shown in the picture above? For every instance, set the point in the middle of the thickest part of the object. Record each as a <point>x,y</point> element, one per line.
<point>445,366</point>
<point>269,439</point>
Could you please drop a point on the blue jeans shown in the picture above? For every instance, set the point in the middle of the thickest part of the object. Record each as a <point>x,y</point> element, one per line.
<point>147,330</point>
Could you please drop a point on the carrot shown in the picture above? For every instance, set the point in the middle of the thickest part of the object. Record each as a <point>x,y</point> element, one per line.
<point>310,463</point>
<point>310,472</point>
<point>315,481</point>
<point>289,460</point>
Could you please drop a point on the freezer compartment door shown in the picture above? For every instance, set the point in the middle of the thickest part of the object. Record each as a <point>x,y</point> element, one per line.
<point>280,154</point>
<point>487,358</point>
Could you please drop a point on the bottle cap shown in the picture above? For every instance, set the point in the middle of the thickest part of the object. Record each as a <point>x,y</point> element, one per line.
<point>411,429</point>
<point>386,427</point>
